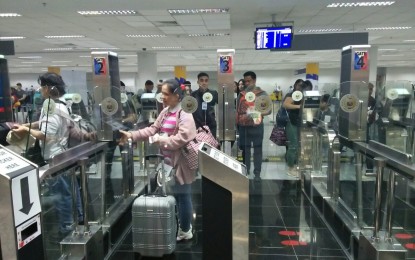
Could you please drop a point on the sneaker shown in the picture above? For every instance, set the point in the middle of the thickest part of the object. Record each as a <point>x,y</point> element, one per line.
<point>257,178</point>
<point>292,171</point>
<point>184,235</point>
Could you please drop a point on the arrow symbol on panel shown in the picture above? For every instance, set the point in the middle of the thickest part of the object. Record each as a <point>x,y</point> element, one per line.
<point>24,189</point>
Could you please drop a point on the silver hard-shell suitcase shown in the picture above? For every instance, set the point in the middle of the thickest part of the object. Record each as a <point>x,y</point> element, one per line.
<point>154,222</point>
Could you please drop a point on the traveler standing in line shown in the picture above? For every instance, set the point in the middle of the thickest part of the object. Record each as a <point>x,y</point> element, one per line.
<point>172,130</point>
<point>205,113</point>
<point>52,130</point>
<point>250,124</point>
<point>293,128</point>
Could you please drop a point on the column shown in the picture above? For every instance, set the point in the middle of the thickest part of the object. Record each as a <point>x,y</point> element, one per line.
<point>311,74</point>
<point>146,69</point>
<point>373,64</point>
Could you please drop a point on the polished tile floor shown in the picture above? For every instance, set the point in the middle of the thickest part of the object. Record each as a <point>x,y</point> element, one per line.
<point>282,225</point>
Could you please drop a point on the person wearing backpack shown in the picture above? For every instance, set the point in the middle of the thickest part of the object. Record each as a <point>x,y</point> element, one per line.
<point>250,124</point>
<point>52,131</point>
<point>293,128</point>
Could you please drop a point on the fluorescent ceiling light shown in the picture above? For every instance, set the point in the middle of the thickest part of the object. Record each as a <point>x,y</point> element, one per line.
<point>387,49</point>
<point>209,34</point>
<point>64,36</point>
<point>389,28</point>
<point>58,49</point>
<point>392,55</point>
<point>9,15</point>
<point>113,12</point>
<point>30,57</point>
<point>61,61</point>
<point>199,11</point>
<point>127,55</point>
<point>12,37</point>
<point>362,4</point>
<point>145,35</point>
<point>319,30</point>
<point>31,62</point>
<point>409,40</point>
<point>166,47</point>
<point>103,48</point>
<point>86,56</point>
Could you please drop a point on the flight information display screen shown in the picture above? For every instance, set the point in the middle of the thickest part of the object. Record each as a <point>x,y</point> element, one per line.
<point>273,38</point>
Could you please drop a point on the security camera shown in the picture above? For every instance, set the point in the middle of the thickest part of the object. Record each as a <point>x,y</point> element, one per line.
<point>144,49</point>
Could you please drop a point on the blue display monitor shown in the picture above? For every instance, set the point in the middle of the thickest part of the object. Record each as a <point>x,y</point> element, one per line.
<point>273,38</point>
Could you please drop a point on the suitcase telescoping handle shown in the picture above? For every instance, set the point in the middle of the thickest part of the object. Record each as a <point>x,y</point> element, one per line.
<point>163,177</point>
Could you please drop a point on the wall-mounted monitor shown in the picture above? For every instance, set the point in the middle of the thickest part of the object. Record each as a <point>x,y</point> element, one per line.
<point>273,38</point>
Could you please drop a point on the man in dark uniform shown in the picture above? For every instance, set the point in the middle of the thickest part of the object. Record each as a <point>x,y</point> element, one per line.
<point>205,113</point>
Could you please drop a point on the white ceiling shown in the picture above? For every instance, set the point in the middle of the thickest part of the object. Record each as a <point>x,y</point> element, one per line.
<point>60,17</point>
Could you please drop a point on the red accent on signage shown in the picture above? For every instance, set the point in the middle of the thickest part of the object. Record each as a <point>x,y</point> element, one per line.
<point>293,243</point>
<point>21,244</point>
<point>410,246</point>
<point>289,233</point>
<point>403,236</point>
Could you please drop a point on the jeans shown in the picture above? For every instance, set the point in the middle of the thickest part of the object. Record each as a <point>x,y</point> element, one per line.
<point>248,136</point>
<point>61,187</point>
<point>293,144</point>
<point>182,193</point>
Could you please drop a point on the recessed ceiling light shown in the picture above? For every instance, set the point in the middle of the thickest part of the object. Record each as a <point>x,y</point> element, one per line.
<point>64,36</point>
<point>209,34</point>
<point>362,4</point>
<point>409,40</point>
<point>12,37</point>
<point>145,35</point>
<point>319,30</point>
<point>31,62</point>
<point>127,55</point>
<point>389,28</point>
<point>58,49</point>
<point>61,61</point>
<point>85,56</point>
<point>392,55</point>
<point>30,57</point>
<point>103,48</point>
<point>199,11</point>
<point>9,15</point>
<point>387,49</point>
<point>113,12</point>
<point>166,47</point>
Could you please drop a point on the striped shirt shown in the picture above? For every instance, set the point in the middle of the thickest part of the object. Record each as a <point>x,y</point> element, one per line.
<point>167,127</point>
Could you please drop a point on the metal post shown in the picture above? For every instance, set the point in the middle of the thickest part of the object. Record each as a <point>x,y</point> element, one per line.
<point>358,168</point>
<point>84,182</point>
<point>74,202</point>
<point>314,147</point>
<point>380,165</point>
<point>390,205</point>
<point>131,160</point>
<point>335,170</point>
<point>125,171</point>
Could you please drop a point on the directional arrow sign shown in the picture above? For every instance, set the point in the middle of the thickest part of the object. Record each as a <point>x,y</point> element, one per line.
<point>25,194</point>
<point>24,189</point>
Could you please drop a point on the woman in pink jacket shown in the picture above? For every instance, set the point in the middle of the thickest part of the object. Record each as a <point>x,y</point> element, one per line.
<point>172,130</point>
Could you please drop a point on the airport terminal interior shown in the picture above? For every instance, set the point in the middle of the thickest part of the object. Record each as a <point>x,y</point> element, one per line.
<point>207,129</point>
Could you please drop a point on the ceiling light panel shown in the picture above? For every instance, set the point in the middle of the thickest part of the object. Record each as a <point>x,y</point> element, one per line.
<point>146,35</point>
<point>198,11</point>
<point>362,4</point>
<point>30,57</point>
<point>58,49</point>
<point>103,48</point>
<point>319,30</point>
<point>388,28</point>
<point>63,36</point>
<point>9,15</point>
<point>109,12</point>
<point>166,47</point>
<point>12,37</point>
<point>209,34</point>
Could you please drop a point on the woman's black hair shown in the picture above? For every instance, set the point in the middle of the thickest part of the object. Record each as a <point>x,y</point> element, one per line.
<point>52,80</point>
<point>174,87</point>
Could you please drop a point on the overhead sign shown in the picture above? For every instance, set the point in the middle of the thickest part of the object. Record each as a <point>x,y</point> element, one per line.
<point>361,60</point>
<point>25,194</point>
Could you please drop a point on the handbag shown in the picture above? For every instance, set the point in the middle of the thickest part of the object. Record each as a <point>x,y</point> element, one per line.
<point>191,149</point>
<point>35,155</point>
<point>282,117</point>
<point>278,136</point>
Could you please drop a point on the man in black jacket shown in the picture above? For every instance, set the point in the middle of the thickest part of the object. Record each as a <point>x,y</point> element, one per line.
<point>206,100</point>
